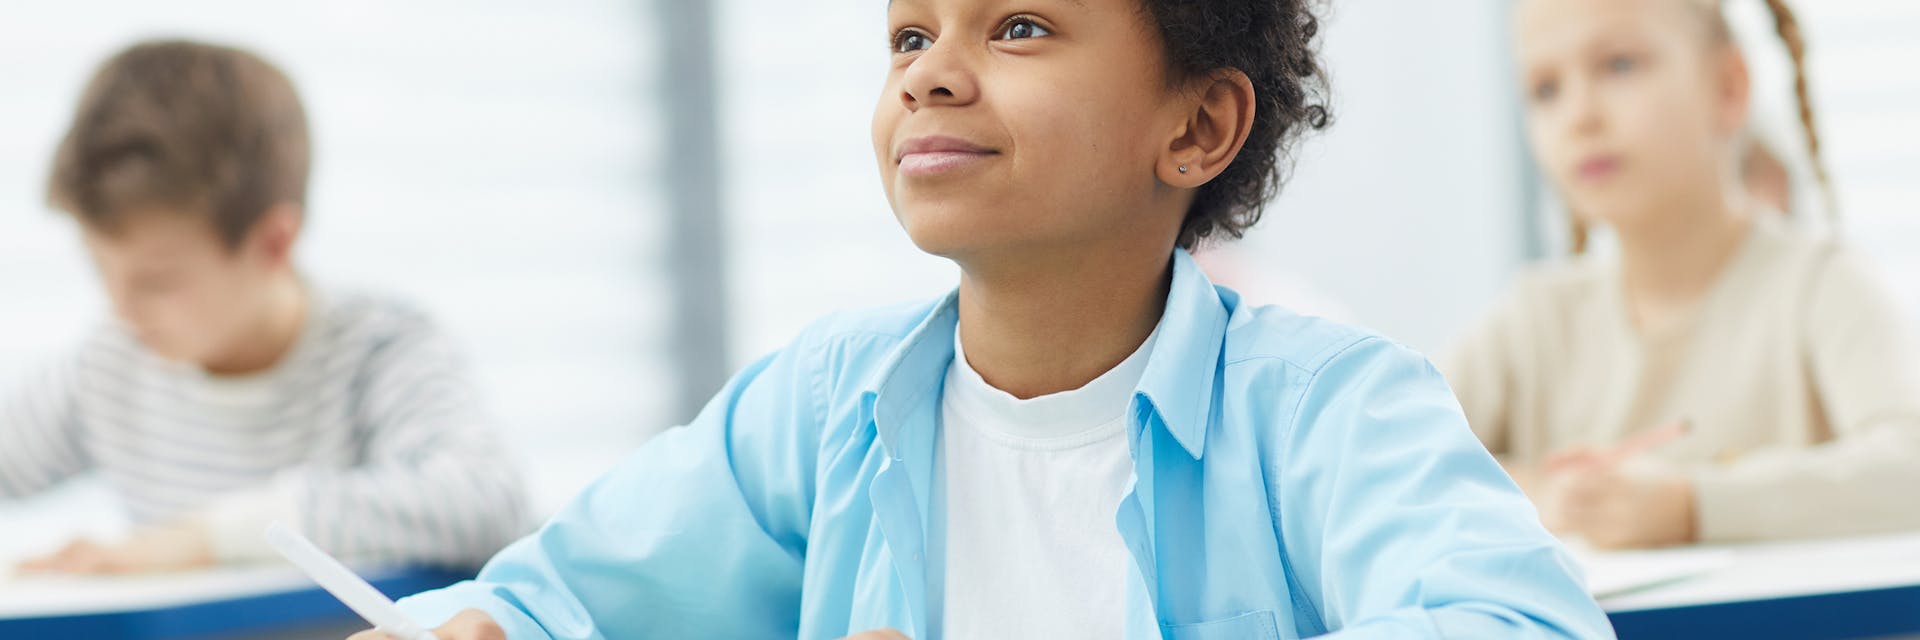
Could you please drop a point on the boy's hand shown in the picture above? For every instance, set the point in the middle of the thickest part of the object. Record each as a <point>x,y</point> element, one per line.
<point>154,549</point>
<point>472,624</point>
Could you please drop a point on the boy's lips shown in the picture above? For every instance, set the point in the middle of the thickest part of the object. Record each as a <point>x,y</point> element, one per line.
<point>930,155</point>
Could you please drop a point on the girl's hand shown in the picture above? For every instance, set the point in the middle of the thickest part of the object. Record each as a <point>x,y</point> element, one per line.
<point>472,624</point>
<point>1615,510</point>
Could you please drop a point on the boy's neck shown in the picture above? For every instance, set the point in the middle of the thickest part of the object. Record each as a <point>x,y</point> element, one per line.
<point>1045,328</point>
<point>272,334</point>
<point>1668,266</point>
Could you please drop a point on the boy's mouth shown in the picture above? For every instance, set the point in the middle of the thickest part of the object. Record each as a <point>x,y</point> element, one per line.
<point>937,154</point>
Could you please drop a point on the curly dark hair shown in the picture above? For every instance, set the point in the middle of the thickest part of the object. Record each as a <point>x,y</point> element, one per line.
<point>1272,42</point>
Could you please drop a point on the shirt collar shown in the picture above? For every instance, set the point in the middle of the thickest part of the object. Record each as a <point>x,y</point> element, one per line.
<point>1181,370</point>
<point>1177,385</point>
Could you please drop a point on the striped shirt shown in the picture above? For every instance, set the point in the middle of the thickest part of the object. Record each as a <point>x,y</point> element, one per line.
<point>367,436</point>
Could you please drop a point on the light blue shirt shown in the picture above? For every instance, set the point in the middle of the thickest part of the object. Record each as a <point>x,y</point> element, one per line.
<point>1292,477</point>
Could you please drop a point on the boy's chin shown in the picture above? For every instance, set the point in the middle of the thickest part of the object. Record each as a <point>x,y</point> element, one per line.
<point>933,228</point>
<point>963,231</point>
<point>953,239</point>
<point>940,245</point>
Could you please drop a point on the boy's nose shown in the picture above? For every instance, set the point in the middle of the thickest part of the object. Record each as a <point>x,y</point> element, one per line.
<point>938,77</point>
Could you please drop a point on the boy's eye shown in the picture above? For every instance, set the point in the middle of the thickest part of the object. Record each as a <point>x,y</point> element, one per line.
<point>910,40</point>
<point>1021,28</point>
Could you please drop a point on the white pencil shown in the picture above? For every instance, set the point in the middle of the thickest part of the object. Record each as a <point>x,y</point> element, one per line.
<point>359,596</point>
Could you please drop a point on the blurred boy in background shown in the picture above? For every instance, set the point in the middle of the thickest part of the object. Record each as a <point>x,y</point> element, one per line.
<point>229,391</point>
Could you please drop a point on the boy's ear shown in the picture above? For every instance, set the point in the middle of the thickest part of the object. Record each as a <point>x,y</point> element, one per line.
<point>275,234</point>
<point>1216,126</point>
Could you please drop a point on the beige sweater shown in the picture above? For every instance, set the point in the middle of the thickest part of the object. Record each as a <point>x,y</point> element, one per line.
<point>1798,372</point>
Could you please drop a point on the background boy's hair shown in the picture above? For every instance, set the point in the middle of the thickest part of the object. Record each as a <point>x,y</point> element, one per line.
<point>187,127</point>
<point>1272,41</point>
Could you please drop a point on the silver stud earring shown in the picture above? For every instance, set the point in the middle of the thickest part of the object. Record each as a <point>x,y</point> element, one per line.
<point>1183,168</point>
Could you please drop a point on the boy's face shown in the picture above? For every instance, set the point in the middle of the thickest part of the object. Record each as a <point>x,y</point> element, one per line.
<point>176,286</point>
<point>1021,124</point>
<point>1629,103</point>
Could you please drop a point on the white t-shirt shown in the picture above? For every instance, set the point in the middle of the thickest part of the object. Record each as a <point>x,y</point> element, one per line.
<point>1029,490</point>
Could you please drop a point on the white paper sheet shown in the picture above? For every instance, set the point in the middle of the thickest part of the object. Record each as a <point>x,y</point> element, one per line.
<point>1689,576</point>
<point>88,507</point>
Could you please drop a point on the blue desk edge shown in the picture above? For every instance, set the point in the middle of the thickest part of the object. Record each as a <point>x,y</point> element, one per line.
<point>263,613</point>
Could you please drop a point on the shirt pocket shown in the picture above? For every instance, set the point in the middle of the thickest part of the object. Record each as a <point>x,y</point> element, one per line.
<point>1251,625</point>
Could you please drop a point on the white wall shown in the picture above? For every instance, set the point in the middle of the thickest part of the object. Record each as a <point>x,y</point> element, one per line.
<point>1408,209</point>
<point>1864,62</point>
